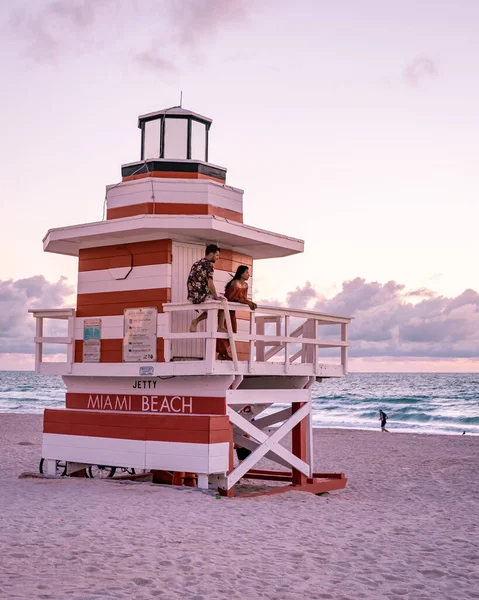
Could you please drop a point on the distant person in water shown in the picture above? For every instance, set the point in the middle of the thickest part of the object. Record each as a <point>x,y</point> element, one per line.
<point>383,418</point>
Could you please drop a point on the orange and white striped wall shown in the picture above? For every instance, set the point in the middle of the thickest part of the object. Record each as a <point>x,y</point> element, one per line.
<point>193,443</point>
<point>179,196</point>
<point>133,275</point>
<point>177,424</point>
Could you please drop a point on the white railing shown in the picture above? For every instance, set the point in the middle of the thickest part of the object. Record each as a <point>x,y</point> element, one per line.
<point>279,341</point>
<point>54,313</point>
<point>299,345</point>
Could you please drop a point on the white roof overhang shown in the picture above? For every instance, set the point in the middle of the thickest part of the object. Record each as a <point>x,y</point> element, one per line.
<point>205,229</point>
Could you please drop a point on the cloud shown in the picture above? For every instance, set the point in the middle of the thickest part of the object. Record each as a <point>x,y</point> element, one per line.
<point>301,297</point>
<point>154,35</point>
<point>419,69</point>
<point>17,327</point>
<point>192,24</point>
<point>53,28</point>
<point>151,60</point>
<point>387,323</point>
<point>198,20</point>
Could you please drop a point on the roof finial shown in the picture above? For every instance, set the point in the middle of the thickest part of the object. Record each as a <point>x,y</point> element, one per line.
<point>181,98</point>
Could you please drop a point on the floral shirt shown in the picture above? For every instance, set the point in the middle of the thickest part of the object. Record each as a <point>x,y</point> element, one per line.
<point>200,272</point>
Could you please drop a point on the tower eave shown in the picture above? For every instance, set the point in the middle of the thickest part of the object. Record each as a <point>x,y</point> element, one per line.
<point>257,243</point>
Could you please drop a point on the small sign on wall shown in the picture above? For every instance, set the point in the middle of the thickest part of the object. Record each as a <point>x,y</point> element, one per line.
<point>91,340</point>
<point>139,339</point>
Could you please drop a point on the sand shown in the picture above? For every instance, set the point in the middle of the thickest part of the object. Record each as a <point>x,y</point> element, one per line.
<point>405,527</point>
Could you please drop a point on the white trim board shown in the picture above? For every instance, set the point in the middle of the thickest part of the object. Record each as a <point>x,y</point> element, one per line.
<point>207,385</point>
<point>197,458</point>
<point>276,396</point>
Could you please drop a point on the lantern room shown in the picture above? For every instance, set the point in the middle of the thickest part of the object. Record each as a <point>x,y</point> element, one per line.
<point>174,144</point>
<point>174,133</point>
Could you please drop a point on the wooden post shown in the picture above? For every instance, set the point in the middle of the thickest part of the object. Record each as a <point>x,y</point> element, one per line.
<point>344,349</point>
<point>167,341</point>
<point>298,444</point>
<point>260,346</point>
<point>308,348</point>
<point>309,427</point>
<point>51,467</point>
<point>211,328</point>
<point>231,492</point>
<point>231,335</point>
<point>70,345</point>
<point>278,325</point>
<point>202,481</point>
<point>252,332</point>
<point>286,345</point>
<point>38,345</point>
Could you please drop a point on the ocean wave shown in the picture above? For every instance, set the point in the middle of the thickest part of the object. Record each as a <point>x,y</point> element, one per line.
<point>426,402</point>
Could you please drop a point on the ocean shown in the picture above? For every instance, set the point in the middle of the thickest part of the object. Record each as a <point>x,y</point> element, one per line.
<point>445,403</point>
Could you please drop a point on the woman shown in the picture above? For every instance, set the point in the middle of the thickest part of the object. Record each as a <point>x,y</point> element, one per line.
<point>236,290</point>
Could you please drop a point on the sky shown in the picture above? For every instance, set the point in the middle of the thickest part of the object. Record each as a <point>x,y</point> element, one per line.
<point>352,125</point>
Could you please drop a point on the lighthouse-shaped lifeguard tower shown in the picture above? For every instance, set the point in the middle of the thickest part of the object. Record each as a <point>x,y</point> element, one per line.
<point>143,391</point>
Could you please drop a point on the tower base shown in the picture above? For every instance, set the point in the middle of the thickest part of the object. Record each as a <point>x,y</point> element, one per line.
<point>319,483</point>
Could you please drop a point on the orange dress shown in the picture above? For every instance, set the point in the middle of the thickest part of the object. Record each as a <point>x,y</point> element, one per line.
<point>235,293</point>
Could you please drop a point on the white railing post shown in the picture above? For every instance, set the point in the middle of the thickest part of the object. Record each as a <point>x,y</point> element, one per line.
<point>71,343</point>
<point>316,347</point>
<point>344,349</point>
<point>286,345</point>
<point>252,332</point>
<point>309,426</point>
<point>260,346</point>
<point>309,351</point>
<point>167,342</point>
<point>210,346</point>
<point>231,336</point>
<point>264,345</point>
<point>278,325</point>
<point>38,345</point>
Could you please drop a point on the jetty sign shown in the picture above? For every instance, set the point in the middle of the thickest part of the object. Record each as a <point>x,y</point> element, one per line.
<point>187,405</point>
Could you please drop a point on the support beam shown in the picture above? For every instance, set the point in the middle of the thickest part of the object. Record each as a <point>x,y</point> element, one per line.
<point>202,481</point>
<point>276,417</point>
<point>267,444</point>
<point>250,444</point>
<point>298,444</point>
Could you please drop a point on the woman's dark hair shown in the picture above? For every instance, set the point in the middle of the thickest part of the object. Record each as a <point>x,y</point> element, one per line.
<point>239,272</point>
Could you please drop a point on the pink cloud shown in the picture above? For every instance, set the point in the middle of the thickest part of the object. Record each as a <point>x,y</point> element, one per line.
<point>387,323</point>
<point>419,69</point>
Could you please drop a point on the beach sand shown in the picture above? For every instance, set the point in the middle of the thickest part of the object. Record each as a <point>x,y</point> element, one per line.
<point>405,527</point>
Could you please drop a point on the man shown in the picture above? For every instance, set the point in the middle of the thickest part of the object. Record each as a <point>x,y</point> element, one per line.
<point>383,418</point>
<point>201,286</point>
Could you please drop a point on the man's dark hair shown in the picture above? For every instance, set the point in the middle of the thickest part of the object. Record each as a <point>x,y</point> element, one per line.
<point>212,248</point>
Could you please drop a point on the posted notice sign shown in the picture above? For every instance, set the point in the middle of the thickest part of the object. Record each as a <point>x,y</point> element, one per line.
<point>139,339</point>
<point>91,340</point>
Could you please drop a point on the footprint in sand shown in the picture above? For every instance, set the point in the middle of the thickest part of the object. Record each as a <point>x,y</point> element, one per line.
<point>140,581</point>
<point>432,573</point>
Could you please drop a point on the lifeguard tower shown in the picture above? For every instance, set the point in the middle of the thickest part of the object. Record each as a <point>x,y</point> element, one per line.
<point>142,391</point>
